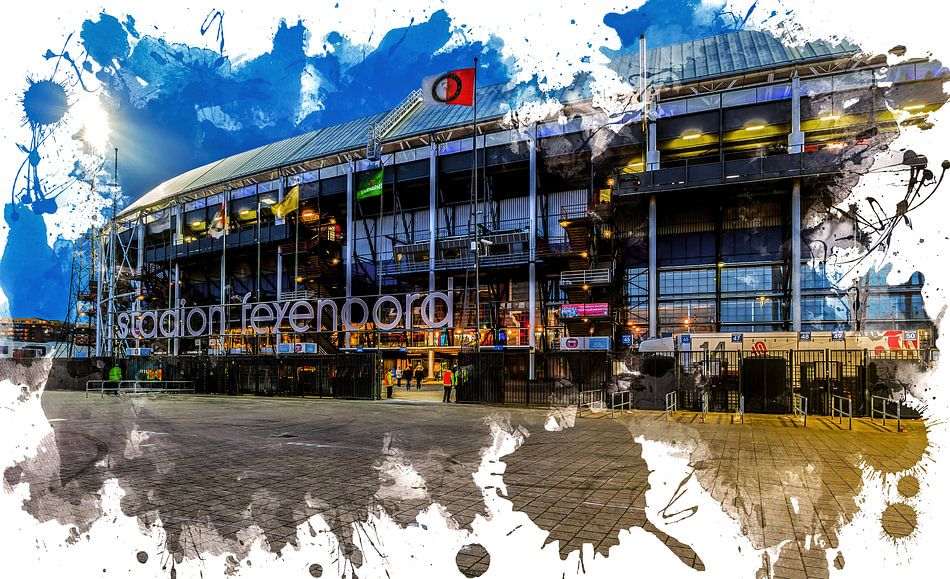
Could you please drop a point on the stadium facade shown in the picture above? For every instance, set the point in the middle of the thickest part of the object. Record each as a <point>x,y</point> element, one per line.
<point>711,214</point>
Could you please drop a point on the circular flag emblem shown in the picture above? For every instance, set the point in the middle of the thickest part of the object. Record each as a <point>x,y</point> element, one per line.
<point>447,87</point>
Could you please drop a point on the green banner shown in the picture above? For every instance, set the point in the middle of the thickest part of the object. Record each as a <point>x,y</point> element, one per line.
<point>370,185</point>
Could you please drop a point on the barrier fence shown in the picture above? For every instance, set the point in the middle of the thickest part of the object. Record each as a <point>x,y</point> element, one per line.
<point>670,404</point>
<point>800,408</point>
<point>622,400</point>
<point>138,386</point>
<point>590,398</point>
<point>882,410</point>
<point>838,405</point>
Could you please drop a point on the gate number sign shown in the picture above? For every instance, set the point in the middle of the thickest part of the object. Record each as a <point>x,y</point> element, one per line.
<point>804,336</point>
<point>686,339</point>
<point>737,338</point>
<point>837,335</point>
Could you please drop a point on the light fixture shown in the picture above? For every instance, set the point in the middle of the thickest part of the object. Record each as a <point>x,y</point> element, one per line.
<point>608,234</point>
<point>564,222</point>
<point>692,135</point>
<point>298,279</point>
<point>686,321</point>
<point>268,201</point>
<point>610,181</point>
<point>755,127</point>
<point>585,287</point>
<point>829,118</point>
<point>912,107</point>
<point>197,223</point>
<point>244,212</point>
<point>335,260</point>
<point>584,254</point>
<point>333,221</point>
<point>140,297</point>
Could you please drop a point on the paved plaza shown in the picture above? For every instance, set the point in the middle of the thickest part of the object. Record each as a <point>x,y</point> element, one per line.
<point>229,462</point>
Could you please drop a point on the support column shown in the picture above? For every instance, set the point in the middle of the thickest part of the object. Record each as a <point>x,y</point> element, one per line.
<point>349,239</point>
<point>796,139</point>
<point>796,259</point>
<point>139,267</point>
<point>433,212</point>
<point>653,155</point>
<point>177,303</point>
<point>653,275</point>
<point>532,243</point>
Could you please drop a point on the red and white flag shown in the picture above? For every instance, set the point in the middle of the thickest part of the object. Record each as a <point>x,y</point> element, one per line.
<point>219,225</point>
<point>455,87</point>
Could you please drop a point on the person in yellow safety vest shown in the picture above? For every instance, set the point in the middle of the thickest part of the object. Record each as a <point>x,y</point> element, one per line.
<point>115,373</point>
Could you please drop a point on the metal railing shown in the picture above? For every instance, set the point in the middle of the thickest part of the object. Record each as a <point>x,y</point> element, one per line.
<point>670,404</point>
<point>137,386</point>
<point>882,411</point>
<point>740,409</point>
<point>705,407</point>
<point>587,400</point>
<point>838,408</point>
<point>800,408</point>
<point>626,401</point>
<point>586,277</point>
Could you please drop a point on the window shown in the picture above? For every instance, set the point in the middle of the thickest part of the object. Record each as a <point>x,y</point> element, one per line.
<point>751,279</point>
<point>702,103</point>
<point>833,308</point>
<point>679,316</point>
<point>751,310</point>
<point>773,93</point>
<point>671,108</point>
<point>739,97</point>
<point>895,306</point>
<point>687,282</point>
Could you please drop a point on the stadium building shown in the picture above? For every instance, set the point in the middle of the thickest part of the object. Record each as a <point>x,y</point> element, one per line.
<point>587,234</point>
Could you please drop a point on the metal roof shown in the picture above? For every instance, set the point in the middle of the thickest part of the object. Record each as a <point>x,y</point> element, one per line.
<point>722,55</point>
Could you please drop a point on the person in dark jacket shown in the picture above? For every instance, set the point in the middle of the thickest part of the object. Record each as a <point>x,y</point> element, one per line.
<point>419,373</point>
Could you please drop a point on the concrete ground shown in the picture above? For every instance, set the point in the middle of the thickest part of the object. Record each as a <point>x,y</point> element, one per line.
<point>233,461</point>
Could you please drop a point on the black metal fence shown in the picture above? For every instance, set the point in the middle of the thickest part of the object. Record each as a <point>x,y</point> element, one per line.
<point>351,375</point>
<point>766,380</point>
<point>502,377</point>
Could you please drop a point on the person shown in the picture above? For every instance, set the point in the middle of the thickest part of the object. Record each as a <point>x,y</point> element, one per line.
<point>448,377</point>
<point>397,375</point>
<point>419,373</point>
<point>115,373</point>
<point>388,383</point>
<point>407,374</point>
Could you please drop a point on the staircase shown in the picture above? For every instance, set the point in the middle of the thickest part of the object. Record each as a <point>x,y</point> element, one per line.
<point>378,131</point>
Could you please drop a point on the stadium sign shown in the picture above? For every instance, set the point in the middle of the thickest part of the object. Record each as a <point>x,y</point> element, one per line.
<point>350,315</point>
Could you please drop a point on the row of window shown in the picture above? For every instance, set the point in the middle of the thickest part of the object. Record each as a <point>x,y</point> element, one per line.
<point>809,87</point>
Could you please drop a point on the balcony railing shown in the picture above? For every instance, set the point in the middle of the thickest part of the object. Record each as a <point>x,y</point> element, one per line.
<point>736,170</point>
<point>588,277</point>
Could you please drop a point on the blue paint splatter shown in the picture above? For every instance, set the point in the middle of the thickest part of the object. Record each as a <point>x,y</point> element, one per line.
<point>666,22</point>
<point>33,274</point>
<point>44,103</point>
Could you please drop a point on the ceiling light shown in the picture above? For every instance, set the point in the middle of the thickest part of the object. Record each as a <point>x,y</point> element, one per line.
<point>913,107</point>
<point>829,118</point>
<point>692,135</point>
<point>755,127</point>
<point>268,201</point>
<point>197,223</point>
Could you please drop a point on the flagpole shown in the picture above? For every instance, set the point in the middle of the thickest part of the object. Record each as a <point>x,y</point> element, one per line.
<point>478,242</point>
<point>297,249</point>
<point>224,252</point>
